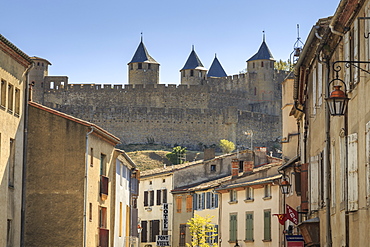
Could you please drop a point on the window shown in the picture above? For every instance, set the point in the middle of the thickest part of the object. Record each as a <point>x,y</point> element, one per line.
<point>91,157</point>
<point>267,225</point>
<point>211,235</point>
<point>151,196</point>
<point>11,163</point>
<point>3,93</point>
<point>249,226</point>
<point>159,195</point>
<point>200,74</point>
<point>254,65</point>
<point>178,204</point>
<point>189,203</point>
<point>144,231</point>
<point>139,65</point>
<point>149,66</point>
<point>233,196</point>
<point>103,164</point>
<point>163,180</point>
<point>51,85</point>
<point>103,217</point>
<point>249,193</point>
<point>261,63</point>
<point>198,201</point>
<point>241,166</point>
<point>10,97</point>
<point>213,168</point>
<point>267,189</point>
<point>182,234</point>
<point>183,73</point>
<point>191,72</point>
<point>131,66</point>
<point>212,200</point>
<point>90,211</point>
<point>233,228</point>
<point>154,230</point>
<point>17,102</point>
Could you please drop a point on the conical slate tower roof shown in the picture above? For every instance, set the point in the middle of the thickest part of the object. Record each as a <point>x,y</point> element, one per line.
<point>216,69</point>
<point>141,55</point>
<point>263,53</point>
<point>193,62</point>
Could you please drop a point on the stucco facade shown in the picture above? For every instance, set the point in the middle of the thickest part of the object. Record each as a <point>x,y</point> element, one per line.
<point>68,192</point>
<point>13,84</point>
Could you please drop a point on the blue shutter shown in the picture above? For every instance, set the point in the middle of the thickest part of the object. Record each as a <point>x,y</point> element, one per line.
<point>208,202</point>
<point>195,202</point>
<point>203,200</point>
<point>216,200</point>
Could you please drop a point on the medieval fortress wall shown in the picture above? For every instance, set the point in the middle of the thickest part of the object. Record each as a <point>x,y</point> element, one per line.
<point>189,115</point>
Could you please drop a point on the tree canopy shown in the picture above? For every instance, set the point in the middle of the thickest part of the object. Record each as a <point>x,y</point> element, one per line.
<point>226,146</point>
<point>177,155</point>
<point>202,231</point>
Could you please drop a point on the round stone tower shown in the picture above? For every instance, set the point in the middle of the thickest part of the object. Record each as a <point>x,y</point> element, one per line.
<point>143,69</point>
<point>193,72</point>
<point>260,68</point>
<point>37,76</point>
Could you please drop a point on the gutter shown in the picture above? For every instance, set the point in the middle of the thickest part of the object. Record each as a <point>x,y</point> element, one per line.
<point>335,17</point>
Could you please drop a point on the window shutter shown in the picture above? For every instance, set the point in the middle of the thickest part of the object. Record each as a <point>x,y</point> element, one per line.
<point>155,230</point>
<point>144,231</point>
<point>164,196</point>
<point>195,202</point>
<point>233,227</point>
<point>314,180</point>
<point>304,187</point>
<point>249,226</point>
<point>151,197</point>
<point>216,200</point>
<point>145,198</point>
<point>267,225</point>
<point>352,173</point>
<point>368,161</point>
<point>208,201</point>
<point>355,50</point>
<point>216,234</point>
<point>203,200</point>
<point>159,192</point>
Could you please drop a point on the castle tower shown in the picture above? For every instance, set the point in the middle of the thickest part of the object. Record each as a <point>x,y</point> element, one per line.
<point>193,72</point>
<point>260,67</point>
<point>37,76</point>
<point>216,69</point>
<point>143,69</point>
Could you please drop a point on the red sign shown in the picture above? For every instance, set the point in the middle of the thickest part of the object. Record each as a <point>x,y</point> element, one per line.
<point>291,214</point>
<point>295,244</point>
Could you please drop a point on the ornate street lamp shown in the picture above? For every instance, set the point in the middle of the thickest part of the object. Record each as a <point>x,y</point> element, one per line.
<point>337,101</point>
<point>285,186</point>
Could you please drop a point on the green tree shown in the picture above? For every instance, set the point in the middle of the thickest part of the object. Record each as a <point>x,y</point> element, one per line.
<point>177,156</point>
<point>284,65</point>
<point>226,146</point>
<point>201,230</point>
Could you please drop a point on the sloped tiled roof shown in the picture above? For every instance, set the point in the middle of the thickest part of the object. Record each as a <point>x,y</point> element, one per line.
<point>263,53</point>
<point>216,69</point>
<point>141,55</point>
<point>193,62</point>
<point>203,185</point>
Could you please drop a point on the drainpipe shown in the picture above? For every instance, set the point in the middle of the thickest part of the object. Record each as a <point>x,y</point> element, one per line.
<point>335,17</point>
<point>85,185</point>
<point>24,163</point>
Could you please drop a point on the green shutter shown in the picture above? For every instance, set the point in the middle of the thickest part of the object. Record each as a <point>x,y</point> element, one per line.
<point>233,227</point>
<point>267,225</point>
<point>249,226</point>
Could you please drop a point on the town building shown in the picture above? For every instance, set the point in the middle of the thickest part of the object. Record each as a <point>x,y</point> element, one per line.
<point>78,184</point>
<point>334,147</point>
<point>14,68</point>
<point>207,106</point>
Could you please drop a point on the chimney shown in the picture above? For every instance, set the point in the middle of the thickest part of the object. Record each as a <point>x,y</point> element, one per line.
<point>261,155</point>
<point>248,167</point>
<point>209,153</point>
<point>234,168</point>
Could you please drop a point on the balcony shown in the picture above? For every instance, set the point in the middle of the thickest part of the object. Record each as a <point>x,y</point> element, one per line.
<point>104,181</point>
<point>103,237</point>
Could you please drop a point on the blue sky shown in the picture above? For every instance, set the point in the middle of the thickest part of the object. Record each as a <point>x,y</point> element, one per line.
<point>92,41</point>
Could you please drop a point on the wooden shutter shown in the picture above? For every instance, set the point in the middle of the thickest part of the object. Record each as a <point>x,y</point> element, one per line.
<point>159,192</point>
<point>164,196</point>
<point>314,183</point>
<point>179,203</point>
<point>249,226</point>
<point>151,193</point>
<point>189,203</point>
<point>367,167</point>
<point>304,187</point>
<point>144,231</point>
<point>155,230</point>
<point>145,198</point>
<point>233,227</point>
<point>208,200</point>
<point>267,225</point>
<point>352,173</point>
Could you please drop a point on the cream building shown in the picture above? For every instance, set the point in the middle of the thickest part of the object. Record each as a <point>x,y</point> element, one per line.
<point>334,150</point>
<point>247,205</point>
<point>14,66</point>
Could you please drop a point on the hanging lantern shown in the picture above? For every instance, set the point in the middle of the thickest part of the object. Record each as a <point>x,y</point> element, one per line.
<point>337,102</point>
